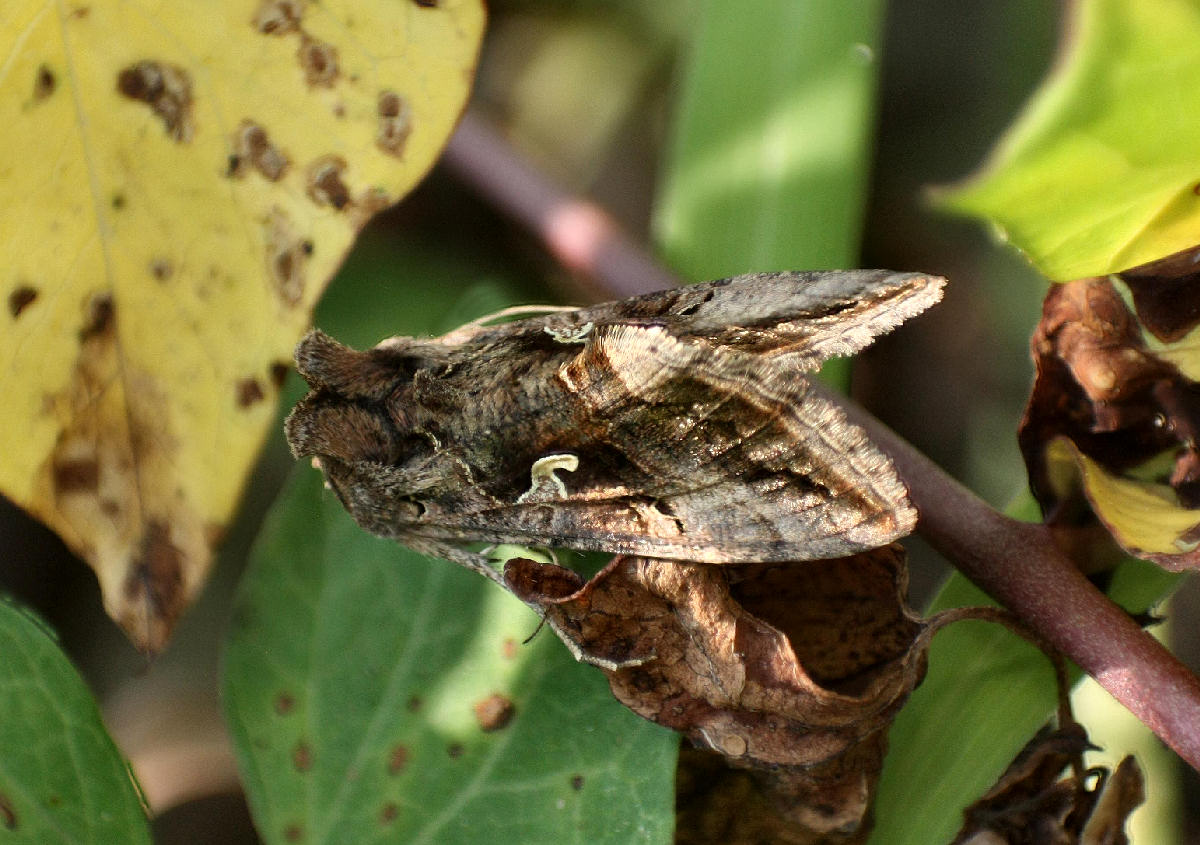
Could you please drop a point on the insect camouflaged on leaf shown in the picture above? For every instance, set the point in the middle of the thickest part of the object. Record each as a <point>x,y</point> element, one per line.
<point>678,425</point>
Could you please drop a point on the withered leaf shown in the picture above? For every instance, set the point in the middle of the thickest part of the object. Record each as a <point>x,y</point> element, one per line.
<point>1114,414</point>
<point>790,672</point>
<point>1030,804</point>
<point>677,425</point>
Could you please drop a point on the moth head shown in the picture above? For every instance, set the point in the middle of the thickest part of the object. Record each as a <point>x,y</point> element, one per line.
<point>324,425</point>
<point>355,447</point>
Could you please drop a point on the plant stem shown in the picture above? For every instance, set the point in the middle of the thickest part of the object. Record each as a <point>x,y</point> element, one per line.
<point>1016,563</point>
<point>1020,565</point>
<point>579,234</point>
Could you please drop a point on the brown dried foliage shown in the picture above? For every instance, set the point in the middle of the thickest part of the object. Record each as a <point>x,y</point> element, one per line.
<point>791,672</point>
<point>1030,804</point>
<point>1101,386</point>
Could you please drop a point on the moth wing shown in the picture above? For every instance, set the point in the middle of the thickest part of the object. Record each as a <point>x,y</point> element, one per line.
<point>697,452</point>
<point>803,317</point>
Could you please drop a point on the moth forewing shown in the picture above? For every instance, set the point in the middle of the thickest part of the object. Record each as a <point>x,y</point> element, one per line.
<point>708,455</point>
<point>675,425</point>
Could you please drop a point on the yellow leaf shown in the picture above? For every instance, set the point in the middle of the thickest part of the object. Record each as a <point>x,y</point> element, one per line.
<point>180,182</point>
<point>1145,518</point>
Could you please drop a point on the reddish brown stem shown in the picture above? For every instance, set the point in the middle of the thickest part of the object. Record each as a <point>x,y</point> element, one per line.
<point>578,233</point>
<point>1016,563</point>
<point>1019,565</point>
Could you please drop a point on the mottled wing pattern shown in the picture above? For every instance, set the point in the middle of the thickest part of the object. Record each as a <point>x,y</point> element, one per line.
<point>736,461</point>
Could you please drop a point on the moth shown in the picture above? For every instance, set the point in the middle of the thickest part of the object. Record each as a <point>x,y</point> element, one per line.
<point>680,424</point>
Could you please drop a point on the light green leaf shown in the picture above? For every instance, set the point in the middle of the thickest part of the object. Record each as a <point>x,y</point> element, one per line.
<point>1100,172</point>
<point>768,166</point>
<point>62,780</point>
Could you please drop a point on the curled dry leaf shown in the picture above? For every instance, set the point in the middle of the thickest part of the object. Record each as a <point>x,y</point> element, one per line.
<point>1115,410</point>
<point>791,672</point>
<point>1029,803</point>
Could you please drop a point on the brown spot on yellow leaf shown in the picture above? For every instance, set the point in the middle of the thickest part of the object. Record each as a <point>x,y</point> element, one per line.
<point>155,582</point>
<point>279,373</point>
<point>278,17</point>
<point>494,712</point>
<point>395,123</point>
<point>166,89</point>
<point>427,4</point>
<point>99,316</point>
<point>145,407</point>
<point>79,474</point>
<point>302,757</point>
<point>389,813</point>
<point>44,83</point>
<point>325,182</point>
<point>20,299</point>
<point>397,759</point>
<point>286,257</point>
<point>508,648</point>
<point>249,392</point>
<point>318,60</point>
<point>161,269</point>
<point>253,149</point>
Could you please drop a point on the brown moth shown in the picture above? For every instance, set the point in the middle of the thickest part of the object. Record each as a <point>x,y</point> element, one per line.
<point>678,425</point>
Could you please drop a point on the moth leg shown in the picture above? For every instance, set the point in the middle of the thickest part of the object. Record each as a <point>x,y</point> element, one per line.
<point>471,560</point>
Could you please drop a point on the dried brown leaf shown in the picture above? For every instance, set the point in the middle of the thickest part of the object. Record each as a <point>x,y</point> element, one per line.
<point>1113,420</point>
<point>1030,805</point>
<point>791,672</point>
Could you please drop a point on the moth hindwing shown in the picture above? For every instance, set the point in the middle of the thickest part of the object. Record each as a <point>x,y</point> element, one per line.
<point>677,425</point>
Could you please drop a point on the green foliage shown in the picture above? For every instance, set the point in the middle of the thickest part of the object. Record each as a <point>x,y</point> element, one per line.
<point>1099,173</point>
<point>351,676</point>
<point>768,165</point>
<point>61,778</point>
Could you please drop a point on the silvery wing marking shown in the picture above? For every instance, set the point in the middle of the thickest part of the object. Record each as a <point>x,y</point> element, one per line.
<point>673,425</point>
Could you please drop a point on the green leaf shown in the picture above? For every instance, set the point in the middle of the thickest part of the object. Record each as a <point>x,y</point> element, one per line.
<point>769,162</point>
<point>768,165</point>
<point>1100,171</point>
<point>986,693</point>
<point>61,777</point>
<point>350,680</point>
